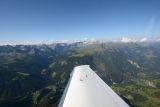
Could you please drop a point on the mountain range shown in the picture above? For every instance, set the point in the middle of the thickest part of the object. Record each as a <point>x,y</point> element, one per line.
<point>36,75</point>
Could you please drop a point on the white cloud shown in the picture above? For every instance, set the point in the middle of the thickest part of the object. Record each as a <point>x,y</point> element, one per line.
<point>128,40</point>
<point>143,39</point>
<point>25,42</point>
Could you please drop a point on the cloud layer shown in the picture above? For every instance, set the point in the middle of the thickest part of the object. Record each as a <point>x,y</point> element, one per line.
<point>127,40</point>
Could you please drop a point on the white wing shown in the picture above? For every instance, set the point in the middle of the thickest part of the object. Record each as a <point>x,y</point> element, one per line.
<point>86,89</point>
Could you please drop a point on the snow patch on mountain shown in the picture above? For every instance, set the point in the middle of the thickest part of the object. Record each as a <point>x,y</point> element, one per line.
<point>133,63</point>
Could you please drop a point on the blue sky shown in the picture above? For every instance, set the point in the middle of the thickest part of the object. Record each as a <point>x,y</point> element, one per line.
<point>38,20</point>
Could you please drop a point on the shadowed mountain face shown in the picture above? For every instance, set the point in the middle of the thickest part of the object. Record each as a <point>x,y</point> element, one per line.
<point>36,75</point>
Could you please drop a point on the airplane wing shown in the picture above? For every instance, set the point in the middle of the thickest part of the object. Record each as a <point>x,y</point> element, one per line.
<point>86,89</point>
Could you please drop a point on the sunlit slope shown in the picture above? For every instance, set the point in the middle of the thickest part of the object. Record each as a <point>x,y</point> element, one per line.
<point>87,89</point>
